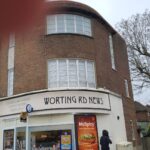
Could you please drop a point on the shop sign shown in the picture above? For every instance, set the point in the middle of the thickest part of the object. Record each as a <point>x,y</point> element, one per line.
<point>56,100</point>
<point>77,99</point>
<point>86,132</point>
<point>65,142</point>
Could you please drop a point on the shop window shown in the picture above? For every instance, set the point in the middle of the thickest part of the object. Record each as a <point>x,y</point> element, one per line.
<point>21,139</point>
<point>112,52</point>
<point>51,140</point>
<point>8,140</point>
<point>68,23</point>
<point>71,73</point>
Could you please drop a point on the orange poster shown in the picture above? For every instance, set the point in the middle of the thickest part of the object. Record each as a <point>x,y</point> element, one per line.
<point>86,132</point>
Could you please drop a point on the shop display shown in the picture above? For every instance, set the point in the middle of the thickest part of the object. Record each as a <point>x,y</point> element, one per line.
<point>51,140</point>
<point>21,141</point>
<point>8,140</point>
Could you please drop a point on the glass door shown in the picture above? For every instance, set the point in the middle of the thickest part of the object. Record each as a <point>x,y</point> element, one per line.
<point>21,138</point>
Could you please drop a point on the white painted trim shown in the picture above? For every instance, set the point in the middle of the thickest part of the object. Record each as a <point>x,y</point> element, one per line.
<point>27,133</point>
<point>62,89</point>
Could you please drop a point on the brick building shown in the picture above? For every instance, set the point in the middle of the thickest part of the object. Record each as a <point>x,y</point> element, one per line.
<point>72,69</point>
<point>143,117</point>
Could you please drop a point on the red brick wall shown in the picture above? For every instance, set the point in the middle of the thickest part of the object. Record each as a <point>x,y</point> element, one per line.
<point>142,116</point>
<point>3,65</point>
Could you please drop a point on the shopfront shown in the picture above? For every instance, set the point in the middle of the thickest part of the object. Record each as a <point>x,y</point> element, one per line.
<point>61,120</point>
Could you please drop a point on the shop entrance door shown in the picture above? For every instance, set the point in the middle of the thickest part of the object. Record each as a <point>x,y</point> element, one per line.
<point>21,138</point>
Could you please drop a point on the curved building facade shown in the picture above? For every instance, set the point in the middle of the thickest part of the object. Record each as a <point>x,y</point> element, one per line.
<point>64,81</point>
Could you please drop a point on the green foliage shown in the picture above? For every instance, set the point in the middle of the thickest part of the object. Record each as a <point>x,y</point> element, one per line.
<point>148,132</point>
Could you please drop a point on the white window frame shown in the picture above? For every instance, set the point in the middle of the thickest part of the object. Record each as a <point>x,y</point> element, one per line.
<point>10,82</point>
<point>78,79</point>
<point>10,73</point>
<point>111,48</point>
<point>84,19</point>
<point>11,40</point>
<point>126,87</point>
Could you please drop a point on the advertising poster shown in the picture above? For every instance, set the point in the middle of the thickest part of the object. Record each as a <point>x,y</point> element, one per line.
<point>65,142</point>
<point>86,132</point>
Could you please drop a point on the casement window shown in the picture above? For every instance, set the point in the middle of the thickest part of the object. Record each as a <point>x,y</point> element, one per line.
<point>68,23</point>
<point>11,40</point>
<point>71,73</point>
<point>10,82</point>
<point>126,88</point>
<point>11,51</point>
<point>111,48</point>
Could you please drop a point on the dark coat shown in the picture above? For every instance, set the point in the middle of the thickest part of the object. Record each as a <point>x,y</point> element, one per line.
<point>105,141</point>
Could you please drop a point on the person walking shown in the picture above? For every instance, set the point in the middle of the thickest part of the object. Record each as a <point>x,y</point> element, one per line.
<point>105,140</point>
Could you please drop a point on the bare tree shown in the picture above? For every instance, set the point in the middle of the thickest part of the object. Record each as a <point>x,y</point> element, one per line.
<point>136,32</point>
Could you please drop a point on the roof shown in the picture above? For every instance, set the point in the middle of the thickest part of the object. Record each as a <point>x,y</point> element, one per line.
<point>148,107</point>
<point>63,5</point>
<point>140,107</point>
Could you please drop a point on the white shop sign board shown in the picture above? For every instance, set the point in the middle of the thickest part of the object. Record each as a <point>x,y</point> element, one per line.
<point>56,100</point>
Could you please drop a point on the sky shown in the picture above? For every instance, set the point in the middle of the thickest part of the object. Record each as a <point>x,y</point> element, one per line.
<point>113,11</point>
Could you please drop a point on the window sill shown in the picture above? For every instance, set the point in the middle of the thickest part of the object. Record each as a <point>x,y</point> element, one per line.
<point>73,34</point>
<point>114,69</point>
<point>71,88</point>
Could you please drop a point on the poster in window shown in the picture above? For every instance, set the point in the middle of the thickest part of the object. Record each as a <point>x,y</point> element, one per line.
<point>8,140</point>
<point>65,142</point>
<point>86,132</point>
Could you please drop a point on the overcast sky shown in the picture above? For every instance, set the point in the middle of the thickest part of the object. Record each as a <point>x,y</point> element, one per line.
<point>114,11</point>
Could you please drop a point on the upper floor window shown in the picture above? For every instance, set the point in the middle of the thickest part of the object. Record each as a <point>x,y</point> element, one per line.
<point>10,82</point>
<point>11,40</point>
<point>71,73</point>
<point>68,23</point>
<point>11,51</point>
<point>126,87</point>
<point>112,52</point>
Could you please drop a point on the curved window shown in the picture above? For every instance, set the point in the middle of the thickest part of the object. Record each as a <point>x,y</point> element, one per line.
<point>71,73</point>
<point>67,23</point>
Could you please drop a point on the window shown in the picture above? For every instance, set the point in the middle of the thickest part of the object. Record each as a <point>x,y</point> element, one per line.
<point>11,51</point>
<point>112,52</point>
<point>11,57</point>
<point>20,138</point>
<point>51,140</point>
<point>71,73</point>
<point>8,140</point>
<point>10,82</point>
<point>68,23</point>
<point>126,87</point>
<point>70,26</point>
<point>12,40</point>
